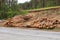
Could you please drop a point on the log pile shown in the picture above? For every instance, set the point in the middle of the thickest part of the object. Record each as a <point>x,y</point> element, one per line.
<point>32,21</point>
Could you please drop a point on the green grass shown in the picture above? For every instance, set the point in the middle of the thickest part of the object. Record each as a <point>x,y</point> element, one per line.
<point>44,8</point>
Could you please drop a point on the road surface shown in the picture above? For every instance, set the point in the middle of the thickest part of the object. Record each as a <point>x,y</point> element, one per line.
<point>27,34</point>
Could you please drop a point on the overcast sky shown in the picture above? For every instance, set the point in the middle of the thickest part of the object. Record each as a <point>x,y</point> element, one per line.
<point>22,1</point>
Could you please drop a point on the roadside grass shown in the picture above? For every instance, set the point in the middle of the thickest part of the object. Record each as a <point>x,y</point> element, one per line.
<point>46,8</point>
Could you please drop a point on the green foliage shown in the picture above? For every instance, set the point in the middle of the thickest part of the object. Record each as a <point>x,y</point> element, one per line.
<point>8,12</point>
<point>23,12</point>
<point>34,4</point>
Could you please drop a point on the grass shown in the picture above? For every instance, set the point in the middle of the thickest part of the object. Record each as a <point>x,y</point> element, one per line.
<point>44,8</point>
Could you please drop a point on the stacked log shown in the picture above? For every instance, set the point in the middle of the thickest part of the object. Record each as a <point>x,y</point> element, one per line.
<point>33,21</point>
<point>44,23</point>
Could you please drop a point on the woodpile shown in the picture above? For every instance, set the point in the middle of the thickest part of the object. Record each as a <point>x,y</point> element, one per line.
<point>33,21</point>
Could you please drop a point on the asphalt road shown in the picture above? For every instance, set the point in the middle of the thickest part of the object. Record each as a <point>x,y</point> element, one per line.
<point>27,34</point>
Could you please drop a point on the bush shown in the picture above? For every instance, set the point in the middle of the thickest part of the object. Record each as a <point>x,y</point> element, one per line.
<point>23,12</point>
<point>10,12</point>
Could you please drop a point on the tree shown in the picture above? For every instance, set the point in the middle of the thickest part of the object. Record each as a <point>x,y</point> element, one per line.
<point>33,4</point>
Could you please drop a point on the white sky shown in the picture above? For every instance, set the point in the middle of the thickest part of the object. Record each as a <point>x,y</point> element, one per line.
<point>22,1</point>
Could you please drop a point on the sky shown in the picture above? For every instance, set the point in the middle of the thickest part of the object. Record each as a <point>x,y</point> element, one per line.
<point>22,1</point>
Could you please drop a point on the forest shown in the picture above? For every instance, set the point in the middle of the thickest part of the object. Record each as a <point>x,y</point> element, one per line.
<point>35,4</point>
<point>7,11</point>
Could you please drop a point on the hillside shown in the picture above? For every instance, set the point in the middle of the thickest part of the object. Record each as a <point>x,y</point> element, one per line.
<point>42,19</point>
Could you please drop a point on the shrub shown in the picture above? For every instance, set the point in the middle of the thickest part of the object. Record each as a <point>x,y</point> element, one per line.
<point>10,12</point>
